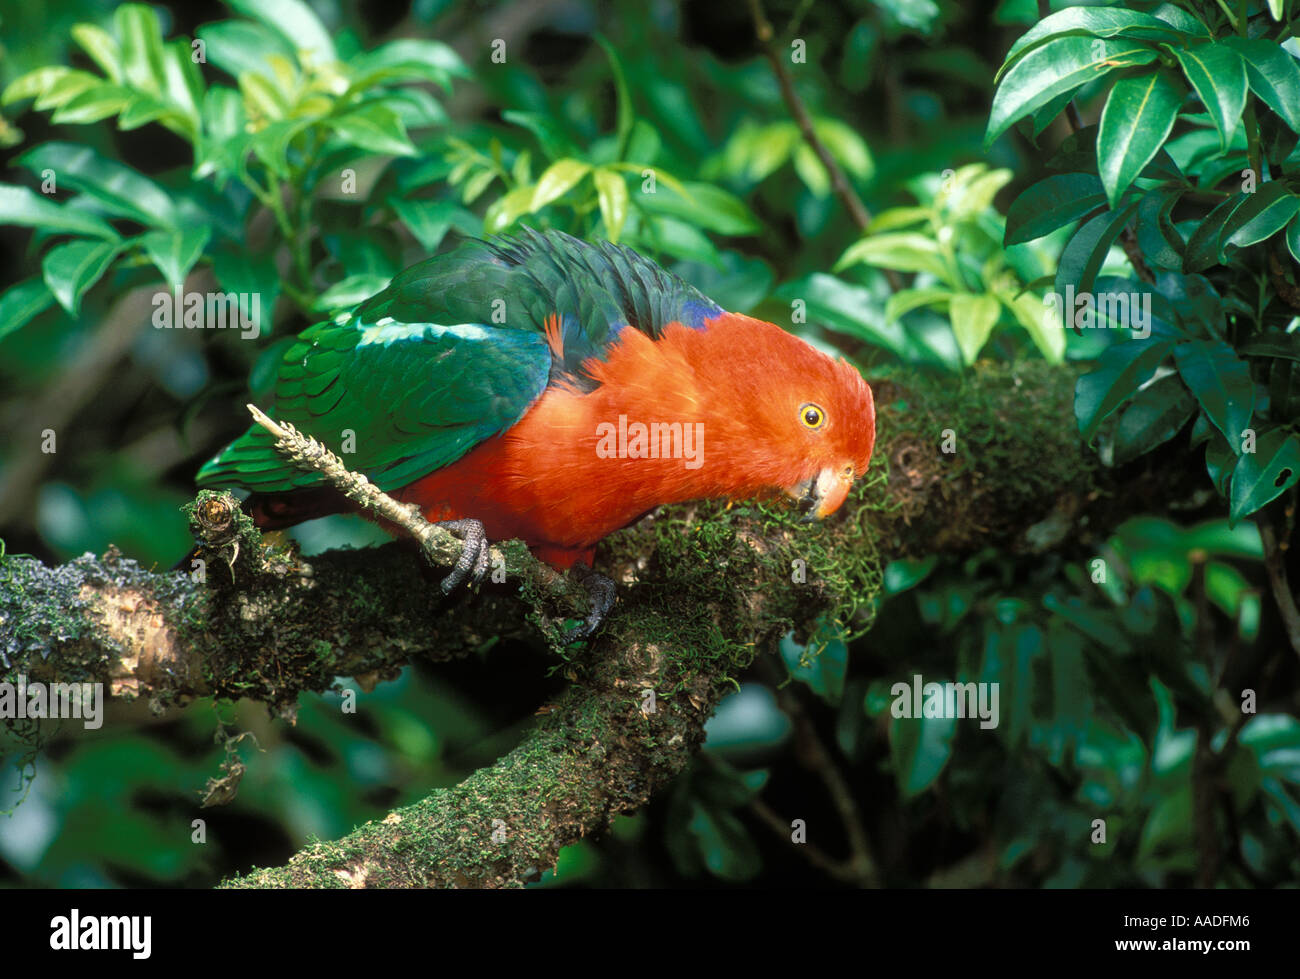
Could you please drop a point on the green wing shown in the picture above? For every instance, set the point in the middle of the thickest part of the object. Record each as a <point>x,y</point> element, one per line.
<point>452,353</point>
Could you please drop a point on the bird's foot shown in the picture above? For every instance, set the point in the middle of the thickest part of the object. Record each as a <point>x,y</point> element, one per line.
<point>602,593</point>
<point>473,560</point>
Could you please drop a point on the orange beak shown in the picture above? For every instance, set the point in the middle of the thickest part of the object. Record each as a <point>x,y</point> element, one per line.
<point>823,494</point>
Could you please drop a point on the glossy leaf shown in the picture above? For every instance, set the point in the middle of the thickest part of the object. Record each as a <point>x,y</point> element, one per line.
<point>1156,414</point>
<point>375,128</point>
<point>72,268</point>
<point>19,205</point>
<point>296,22</point>
<point>1221,382</point>
<point>123,191</point>
<point>1091,22</point>
<point>1265,474</point>
<point>1138,117</point>
<point>973,318</point>
<point>1121,370</point>
<point>1060,65</point>
<point>174,253</point>
<point>1204,247</point>
<point>22,302</point>
<point>611,192</point>
<point>1273,76</point>
<point>1052,203</point>
<point>142,55</point>
<point>1218,75</point>
<point>1086,251</point>
<point>903,251</point>
<point>1262,215</point>
<point>560,177</point>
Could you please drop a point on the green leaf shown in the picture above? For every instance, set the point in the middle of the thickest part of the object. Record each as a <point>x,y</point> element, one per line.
<point>643,144</point>
<point>142,56</point>
<point>904,251</point>
<point>1218,75</point>
<point>846,146</point>
<point>684,241</point>
<point>554,143</point>
<point>183,81</point>
<point>921,747</point>
<point>1221,382</point>
<point>407,58</point>
<point>1204,247</point>
<point>239,47</point>
<point>1285,345</point>
<point>709,207</point>
<point>264,97</point>
<point>428,221</point>
<point>94,104</point>
<point>1178,18</point>
<point>123,191</point>
<point>1029,313</point>
<point>19,205</point>
<point>350,291</point>
<point>1273,75</point>
<point>102,48</point>
<point>1293,238</point>
<point>905,300</point>
<point>1157,238</point>
<point>1052,203</point>
<point>560,177</point>
<point>33,84</point>
<point>811,171</point>
<point>375,128</point>
<point>22,302</point>
<point>248,275</point>
<point>1265,474</point>
<point>973,318</point>
<point>508,209</point>
<point>1060,65</point>
<point>1121,369</point>
<point>1139,115</point>
<point>1093,22</point>
<point>175,252</point>
<point>296,22</point>
<point>612,193</point>
<point>1156,414</point>
<point>772,146</point>
<point>72,268</point>
<point>475,186</point>
<point>1086,251</point>
<point>56,89</point>
<point>1262,215</point>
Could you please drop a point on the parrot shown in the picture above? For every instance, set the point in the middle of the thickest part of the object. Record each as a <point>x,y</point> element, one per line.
<point>541,387</point>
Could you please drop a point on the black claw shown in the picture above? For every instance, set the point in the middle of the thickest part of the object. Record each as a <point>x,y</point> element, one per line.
<point>602,593</point>
<point>473,560</point>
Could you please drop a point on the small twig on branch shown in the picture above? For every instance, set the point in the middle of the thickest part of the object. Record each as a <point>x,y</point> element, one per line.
<point>437,543</point>
<point>840,185</point>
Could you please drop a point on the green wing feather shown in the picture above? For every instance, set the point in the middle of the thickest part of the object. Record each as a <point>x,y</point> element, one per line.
<point>452,353</point>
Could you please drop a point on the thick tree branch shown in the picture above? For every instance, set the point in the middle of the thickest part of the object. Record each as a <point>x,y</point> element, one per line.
<point>703,589</point>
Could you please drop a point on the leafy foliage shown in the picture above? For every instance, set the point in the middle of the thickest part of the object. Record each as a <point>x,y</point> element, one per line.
<point>1194,160</point>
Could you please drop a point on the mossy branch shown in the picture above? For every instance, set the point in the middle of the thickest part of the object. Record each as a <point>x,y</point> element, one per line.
<point>703,589</point>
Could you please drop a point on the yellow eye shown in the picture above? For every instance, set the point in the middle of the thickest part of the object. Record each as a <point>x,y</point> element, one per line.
<point>812,415</point>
